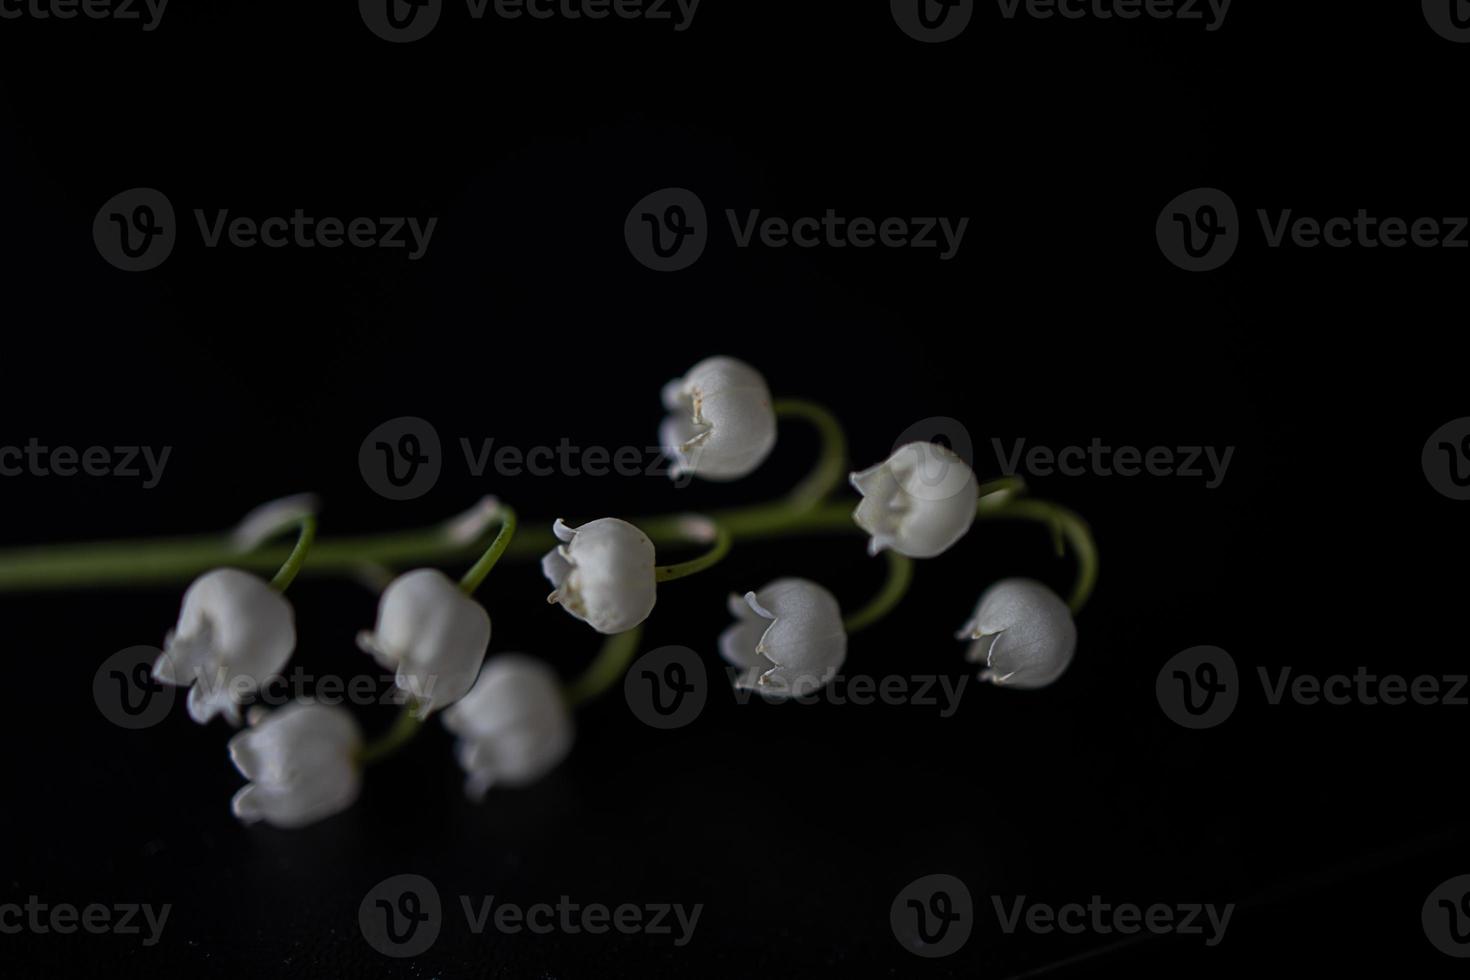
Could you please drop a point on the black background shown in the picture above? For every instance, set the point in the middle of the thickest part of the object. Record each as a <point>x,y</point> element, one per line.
<point>528,321</point>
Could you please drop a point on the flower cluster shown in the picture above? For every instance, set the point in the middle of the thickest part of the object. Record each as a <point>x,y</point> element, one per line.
<point>510,715</point>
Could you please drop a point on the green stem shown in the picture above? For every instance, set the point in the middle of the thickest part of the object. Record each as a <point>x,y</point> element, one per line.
<point>404,728</point>
<point>297,558</point>
<point>481,568</point>
<point>900,575</point>
<point>611,663</point>
<point>1067,529</point>
<point>831,467</point>
<point>698,529</point>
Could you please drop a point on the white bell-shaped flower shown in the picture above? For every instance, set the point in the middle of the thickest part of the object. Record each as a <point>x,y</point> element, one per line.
<point>1023,632</point>
<point>234,634</point>
<point>787,640</point>
<point>513,727</point>
<point>919,501</point>
<point>432,635</point>
<point>302,765</point>
<point>721,424</point>
<point>603,573</point>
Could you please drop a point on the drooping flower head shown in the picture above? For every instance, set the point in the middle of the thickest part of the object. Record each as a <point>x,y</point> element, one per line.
<point>1023,632</point>
<point>603,573</point>
<point>234,634</point>
<point>302,764</point>
<point>721,424</point>
<point>919,501</point>
<point>787,640</point>
<point>513,725</point>
<point>432,635</point>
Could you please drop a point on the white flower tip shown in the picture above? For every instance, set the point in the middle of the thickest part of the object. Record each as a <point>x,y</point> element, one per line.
<point>754,603</point>
<point>564,532</point>
<point>468,527</point>
<point>244,808</point>
<point>270,519</point>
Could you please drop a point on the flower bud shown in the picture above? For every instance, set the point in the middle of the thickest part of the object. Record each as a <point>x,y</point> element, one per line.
<point>919,501</point>
<point>721,424</point>
<point>234,634</point>
<point>432,635</point>
<point>1023,631</point>
<point>787,639</point>
<point>603,573</point>
<point>302,763</point>
<point>513,726</point>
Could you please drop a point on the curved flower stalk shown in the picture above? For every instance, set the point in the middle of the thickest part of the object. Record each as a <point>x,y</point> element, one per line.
<point>603,573</point>
<point>513,726</point>
<point>302,765</point>
<point>788,639</point>
<point>919,501</point>
<point>721,423</point>
<point>1023,632</point>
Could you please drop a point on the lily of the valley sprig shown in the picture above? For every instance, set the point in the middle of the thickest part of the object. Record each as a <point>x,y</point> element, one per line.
<point>511,714</point>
